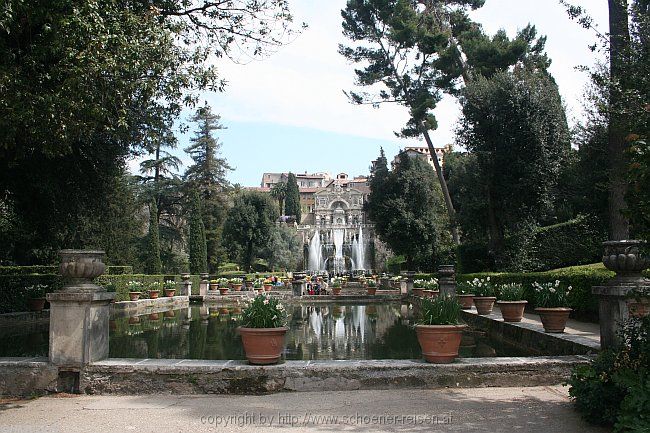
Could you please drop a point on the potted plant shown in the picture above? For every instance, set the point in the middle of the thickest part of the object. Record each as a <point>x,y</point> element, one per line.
<point>336,286</point>
<point>552,305</point>
<point>154,290</point>
<point>371,287</point>
<point>268,284</point>
<point>418,288</point>
<point>236,284</point>
<point>465,295</point>
<point>511,302</point>
<point>439,330</point>
<point>170,288</point>
<point>214,285</point>
<point>36,297</point>
<point>483,295</point>
<point>135,290</point>
<point>224,285</point>
<point>263,330</point>
<point>258,285</point>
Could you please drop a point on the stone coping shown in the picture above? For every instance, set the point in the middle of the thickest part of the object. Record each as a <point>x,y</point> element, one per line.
<point>530,334</point>
<point>186,376</point>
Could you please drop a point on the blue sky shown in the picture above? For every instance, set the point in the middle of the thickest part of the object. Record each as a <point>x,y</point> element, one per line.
<point>288,112</point>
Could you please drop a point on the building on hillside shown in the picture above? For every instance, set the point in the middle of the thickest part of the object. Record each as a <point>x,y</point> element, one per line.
<point>423,153</point>
<point>334,227</point>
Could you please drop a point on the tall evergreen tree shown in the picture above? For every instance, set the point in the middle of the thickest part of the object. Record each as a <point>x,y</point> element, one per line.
<point>197,245</point>
<point>292,200</point>
<point>152,264</point>
<point>279,192</point>
<point>207,176</point>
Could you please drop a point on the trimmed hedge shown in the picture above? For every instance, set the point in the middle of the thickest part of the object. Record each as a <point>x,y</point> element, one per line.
<point>13,289</point>
<point>53,269</point>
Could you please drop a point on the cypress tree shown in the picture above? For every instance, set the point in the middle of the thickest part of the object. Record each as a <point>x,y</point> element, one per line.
<point>153,265</point>
<point>292,200</point>
<point>197,245</point>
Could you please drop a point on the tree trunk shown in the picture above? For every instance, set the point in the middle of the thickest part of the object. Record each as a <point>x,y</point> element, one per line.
<point>619,51</point>
<point>445,191</point>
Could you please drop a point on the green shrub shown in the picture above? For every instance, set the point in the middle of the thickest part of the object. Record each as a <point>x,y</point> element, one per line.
<point>551,294</point>
<point>395,264</point>
<point>614,389</point>
<point>228,267</point>
<point>264,312</point>
<point>14,290</point>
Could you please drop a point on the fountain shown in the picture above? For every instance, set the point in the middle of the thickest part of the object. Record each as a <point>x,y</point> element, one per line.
<point>316,253</point>
<point>359,253</point>
<point>339,260</point>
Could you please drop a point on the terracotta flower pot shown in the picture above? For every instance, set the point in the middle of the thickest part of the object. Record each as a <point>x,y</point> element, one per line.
<point>336,291</point>
<point>154,316</point>
<point>371,290</point>
<point>268,287</point>
<point>223,290</point>
<point>263,345</point>
<point>214,286</point>
<point>419,292</point>
<point>134,296</point>
<point>554,319</point>
<point>466,301</point>
<point>170,292</point>
<point>439,343</point>
<point>484,305</point>
<point>224,311</point>
<point>170,314</point>
<point>512,311</point>
<point>36,304</point>
<point>237,287</point>
<point>259,290</point>
<point>153,294</point>
<point>134,320</point>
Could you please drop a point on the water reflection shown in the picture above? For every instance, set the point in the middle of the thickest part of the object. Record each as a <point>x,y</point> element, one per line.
<point>317,331</point>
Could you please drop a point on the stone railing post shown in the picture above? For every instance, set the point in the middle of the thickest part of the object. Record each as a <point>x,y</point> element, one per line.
<point>186,287</point>
<point>447,280</point>
<point>409,283</point>
<point>297,287</point>
<point>204,284</point>
<point>79,312</point>
<point>626,259</point>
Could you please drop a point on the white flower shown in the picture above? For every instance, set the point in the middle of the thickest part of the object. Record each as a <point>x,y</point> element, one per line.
<point>274,317</point>
<point>266,301</point>
<point>552,290</point>
<point>488,278</point>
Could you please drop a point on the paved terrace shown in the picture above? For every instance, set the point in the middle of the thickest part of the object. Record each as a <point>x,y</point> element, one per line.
<point>532,410</point>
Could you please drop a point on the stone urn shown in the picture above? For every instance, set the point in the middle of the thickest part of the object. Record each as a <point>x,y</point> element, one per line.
<point>627,259</point>
<point>185,276</point>
<point>79,268</point>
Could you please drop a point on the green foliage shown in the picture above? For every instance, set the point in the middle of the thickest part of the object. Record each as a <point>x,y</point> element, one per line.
<point>152,264</point>
<point>395,264</point>
<point>442,310</point>
<point>279,192</point>
<point>292,199</point>
<point>510,292</point>
<point>196,244</point>
<point>404,205</point>
<point>284,250</point>
<point>264,312</point>
<point>614,389</point>
<point>207,176</point>
<point>521,148</point>
<point>248,226</point>
<point>14,291</point>
<point>481,287</point>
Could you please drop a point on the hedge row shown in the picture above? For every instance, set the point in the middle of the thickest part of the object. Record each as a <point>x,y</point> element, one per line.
<point>575,242</point>
<point>52,269</point>
<point>14,288</point>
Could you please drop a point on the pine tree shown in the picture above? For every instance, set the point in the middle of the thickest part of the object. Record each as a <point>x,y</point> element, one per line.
<point>208,177</point>
<point>153,265</point>
<point>197,245</point>
<point>292,200</point>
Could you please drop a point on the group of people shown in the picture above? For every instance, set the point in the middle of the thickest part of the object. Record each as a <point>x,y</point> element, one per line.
<point>317,286</point>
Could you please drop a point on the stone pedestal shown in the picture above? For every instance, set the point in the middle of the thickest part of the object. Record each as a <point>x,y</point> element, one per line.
<point>628,261</point>
<point>78,327</point>
<point>447,280</point>
<point>186,285</point>
<point>409,281</point>
<point>204,285</point>
<point>384,283</point>
<point>297,287</point>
